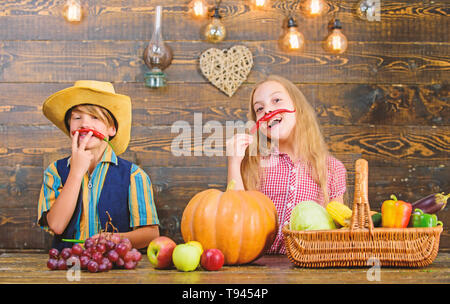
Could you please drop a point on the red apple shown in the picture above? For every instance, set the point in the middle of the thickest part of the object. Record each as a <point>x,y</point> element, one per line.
<point>159,252</point>
<point>212,259</point>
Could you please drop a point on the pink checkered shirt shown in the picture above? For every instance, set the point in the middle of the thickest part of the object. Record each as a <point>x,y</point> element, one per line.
<point>287,184</point>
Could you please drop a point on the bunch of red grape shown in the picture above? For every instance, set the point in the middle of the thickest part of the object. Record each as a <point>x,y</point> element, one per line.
<point>98,255</point>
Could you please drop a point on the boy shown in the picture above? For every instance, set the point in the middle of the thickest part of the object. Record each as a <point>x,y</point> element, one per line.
<point>79,190</point>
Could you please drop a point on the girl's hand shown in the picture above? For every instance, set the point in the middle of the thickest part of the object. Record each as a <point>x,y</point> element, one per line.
<point>236,147</point>
<point>81,158</point>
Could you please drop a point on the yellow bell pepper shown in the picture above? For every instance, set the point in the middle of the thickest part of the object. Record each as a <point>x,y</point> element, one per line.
<point>395,213</point>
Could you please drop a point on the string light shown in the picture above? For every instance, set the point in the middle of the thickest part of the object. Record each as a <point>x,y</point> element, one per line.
<point>72,11</point>
<point>215,31</point>
<point>336,42</point>
<point>198,9</point>
<point>314,8</point>
<point>259,4</point>
<point>292,40</point>
<point>369,10</point>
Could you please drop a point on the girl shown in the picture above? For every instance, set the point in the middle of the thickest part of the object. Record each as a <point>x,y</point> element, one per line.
<point>295,164</point>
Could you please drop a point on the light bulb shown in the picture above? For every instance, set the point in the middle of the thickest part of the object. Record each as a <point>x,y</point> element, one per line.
<point>215,31</point>
<point>198,9</point>
<point>157,56</point>
<point>259,4</point>
<point>292,40</point>
<point>336,42</point>
<point>369,10</point>
<point>73,11</point>
<point>314,8</point>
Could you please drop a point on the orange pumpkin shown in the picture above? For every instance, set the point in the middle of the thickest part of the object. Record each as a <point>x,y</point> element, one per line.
<point>242,224</point>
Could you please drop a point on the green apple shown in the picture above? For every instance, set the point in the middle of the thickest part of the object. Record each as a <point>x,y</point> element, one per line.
<point>186,257</point>
<point>196,244</point>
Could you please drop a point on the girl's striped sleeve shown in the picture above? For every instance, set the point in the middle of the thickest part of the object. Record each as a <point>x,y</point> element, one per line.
<point>140,199</point>
<point>51,187</point>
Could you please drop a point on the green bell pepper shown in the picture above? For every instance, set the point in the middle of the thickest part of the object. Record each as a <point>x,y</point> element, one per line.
<point>420,219</point>
<point>376,219</point>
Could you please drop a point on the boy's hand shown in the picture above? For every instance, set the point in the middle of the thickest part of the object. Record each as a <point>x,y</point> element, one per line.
<point>236,147</point>
<point>81,158</point>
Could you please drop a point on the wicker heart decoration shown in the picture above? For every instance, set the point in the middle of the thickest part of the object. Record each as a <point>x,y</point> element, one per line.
<point>226,69</point>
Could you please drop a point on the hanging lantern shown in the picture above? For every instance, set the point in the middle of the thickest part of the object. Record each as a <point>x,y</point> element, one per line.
<point>336,42</point>
<point>314,8</point>
<point>157,55</point>
<point>215,31</point>
<point>292,40</point>
<point>73,11</point>
<point>198,9</point>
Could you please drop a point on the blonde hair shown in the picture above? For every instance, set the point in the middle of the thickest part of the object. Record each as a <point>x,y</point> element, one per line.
<point>310,144</point>
<point>97,111</point>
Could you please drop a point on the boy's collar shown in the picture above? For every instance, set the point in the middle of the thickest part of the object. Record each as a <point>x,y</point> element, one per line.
<point>109,156</point>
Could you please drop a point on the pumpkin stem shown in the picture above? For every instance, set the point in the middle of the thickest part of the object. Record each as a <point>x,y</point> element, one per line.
<point>231,185</point>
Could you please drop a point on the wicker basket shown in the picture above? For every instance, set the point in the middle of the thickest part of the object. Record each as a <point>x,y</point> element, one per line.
<point>354,246</point>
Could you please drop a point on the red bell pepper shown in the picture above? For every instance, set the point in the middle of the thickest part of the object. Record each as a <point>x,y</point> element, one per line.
<point>395,213</point>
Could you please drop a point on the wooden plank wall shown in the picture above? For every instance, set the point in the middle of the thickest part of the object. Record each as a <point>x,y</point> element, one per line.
<point>386,98</point>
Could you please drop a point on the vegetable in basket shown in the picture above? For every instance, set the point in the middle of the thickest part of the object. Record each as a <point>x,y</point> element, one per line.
<point>376,219</point>
<point>309,215</point>
<point>420,219</point>
<point>395,213</point>
<point>432,203</point>
<point>340,213</point>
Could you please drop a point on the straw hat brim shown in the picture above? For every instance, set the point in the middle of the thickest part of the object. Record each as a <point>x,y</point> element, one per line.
<point>56,106</point>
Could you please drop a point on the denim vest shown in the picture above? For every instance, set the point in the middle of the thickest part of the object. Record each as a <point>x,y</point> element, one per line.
<point>113,198</point>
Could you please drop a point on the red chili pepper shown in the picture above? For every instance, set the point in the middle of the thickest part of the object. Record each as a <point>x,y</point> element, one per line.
<point>95,133</point>
<point>267,117</point>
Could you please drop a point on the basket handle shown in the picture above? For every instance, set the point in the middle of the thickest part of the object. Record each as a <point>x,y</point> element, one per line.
<point>361,218</point>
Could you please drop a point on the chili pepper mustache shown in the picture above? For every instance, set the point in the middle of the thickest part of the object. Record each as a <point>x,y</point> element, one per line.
<point>267,117</point>
<point>95,133</point>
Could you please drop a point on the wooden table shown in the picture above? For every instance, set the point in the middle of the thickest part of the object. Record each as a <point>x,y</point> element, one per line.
<point>31,268</point>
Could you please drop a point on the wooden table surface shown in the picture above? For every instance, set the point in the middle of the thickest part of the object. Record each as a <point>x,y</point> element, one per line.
<point>31,268</point>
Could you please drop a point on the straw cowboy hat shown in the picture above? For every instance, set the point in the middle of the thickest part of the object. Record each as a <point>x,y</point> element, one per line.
<point>96,93</point>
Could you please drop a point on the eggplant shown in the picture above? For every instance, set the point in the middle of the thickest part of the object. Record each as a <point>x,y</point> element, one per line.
<point>432,203</point>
